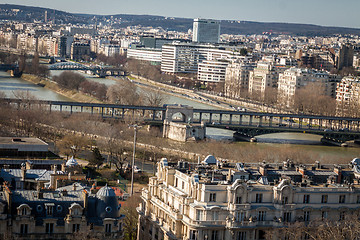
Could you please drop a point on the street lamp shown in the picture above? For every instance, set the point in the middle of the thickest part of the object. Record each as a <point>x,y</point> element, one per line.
<point>135,126</point>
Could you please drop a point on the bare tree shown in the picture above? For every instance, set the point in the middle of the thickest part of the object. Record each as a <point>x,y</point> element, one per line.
<point>124,93</point>
<point>154,98</point>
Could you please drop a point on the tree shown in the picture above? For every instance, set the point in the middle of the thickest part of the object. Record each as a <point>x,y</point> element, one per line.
<point>73,144</point>
<point>124,93</point>
<point>131,217</point>
<point>154,98</point>
<point>96,158</point>
<point>69,80</point>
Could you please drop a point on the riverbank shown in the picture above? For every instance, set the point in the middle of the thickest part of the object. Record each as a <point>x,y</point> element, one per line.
<point>53,86</point>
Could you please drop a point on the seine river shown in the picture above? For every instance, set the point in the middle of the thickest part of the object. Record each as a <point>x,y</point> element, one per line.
<point>303,142</point>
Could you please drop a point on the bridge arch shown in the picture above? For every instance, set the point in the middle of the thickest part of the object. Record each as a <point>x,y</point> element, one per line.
<point>179,113</point>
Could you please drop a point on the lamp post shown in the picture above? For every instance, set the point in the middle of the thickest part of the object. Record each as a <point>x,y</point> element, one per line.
<point>133,159</point>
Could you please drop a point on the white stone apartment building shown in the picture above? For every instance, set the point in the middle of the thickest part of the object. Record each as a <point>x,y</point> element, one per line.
<point>210,202</point>
<point>265,76</point>
<point>348,96</point>
<point>294,79</point>
<point>237,79</point>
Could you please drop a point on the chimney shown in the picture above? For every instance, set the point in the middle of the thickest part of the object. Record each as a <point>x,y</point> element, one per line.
<point>8,195</point>
<point>63,167</point>
<point>229,176</point>
<point>74,186</point>
<point>263,170</point>
<point>23,172</point>
<point>85,196</point>
<point>55,168</point>
<point>302,170</point>
<point>338,171</point>
<point>40,194</point>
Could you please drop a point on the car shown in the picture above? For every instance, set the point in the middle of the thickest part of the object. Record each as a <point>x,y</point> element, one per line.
<point>282,125</point>
<point>328,130</point>
<point>137,169</point>
<point>343,130</point>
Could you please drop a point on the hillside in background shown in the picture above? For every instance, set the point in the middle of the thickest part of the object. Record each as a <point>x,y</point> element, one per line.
<point>29,14</point>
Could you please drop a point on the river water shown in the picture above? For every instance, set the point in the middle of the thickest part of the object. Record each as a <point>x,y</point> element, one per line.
<point>303,142</point>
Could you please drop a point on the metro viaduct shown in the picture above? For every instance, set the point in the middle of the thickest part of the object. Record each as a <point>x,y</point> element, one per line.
<point>246,124</point>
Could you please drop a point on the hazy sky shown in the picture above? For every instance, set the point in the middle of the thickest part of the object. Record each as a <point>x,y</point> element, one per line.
<point>322,12</point>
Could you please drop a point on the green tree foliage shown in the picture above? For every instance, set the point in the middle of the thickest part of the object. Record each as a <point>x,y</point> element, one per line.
<point>96,158</point>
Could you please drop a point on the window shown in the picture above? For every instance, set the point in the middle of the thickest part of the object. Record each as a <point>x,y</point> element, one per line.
<point>212,197</point>
<point>285,200</point>
<point>287,217</point>
<point>306,198</point>
<point>24,228</point>
<point>215,215</point>
<point>238,200</point>
<point>358,199</point>
<point>193,235</point>
<point>306,216</point>
<point>324,214</point>
<point>324,198</point>
<point>49,210</point>
<point>199,215</point>
<point>215,235</point>
<point>76,228</point>
<point>108,228</point>
<point>182,185</point>
<point>49,228</point>
<point>240,216</point>
<point>241,236</point>
<point>258,198</point>
<point>342,199</point>
<point>24,211</point>
<point>261,215</point>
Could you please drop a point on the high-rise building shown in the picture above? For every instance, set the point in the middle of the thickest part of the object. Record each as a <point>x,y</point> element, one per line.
<point>346,56</point>
<point>206,30</point>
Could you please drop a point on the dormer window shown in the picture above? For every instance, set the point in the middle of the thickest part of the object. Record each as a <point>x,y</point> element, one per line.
<point>49,209</point>
<point>24,210</point>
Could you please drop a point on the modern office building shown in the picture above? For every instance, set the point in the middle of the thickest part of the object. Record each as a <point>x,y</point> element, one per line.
<point>346,56</point>
<point>145,54</point>
<point>212,71</point>
<point>206,31</point>
<point>213,200</point>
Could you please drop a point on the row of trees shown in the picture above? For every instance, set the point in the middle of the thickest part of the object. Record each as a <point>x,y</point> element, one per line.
<point>346,229</point>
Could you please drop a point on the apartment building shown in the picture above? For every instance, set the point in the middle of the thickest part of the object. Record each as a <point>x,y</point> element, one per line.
<point>237,79</point>
<point>265,76</point>
<point>348,96</point>
<point>294,79</point>
<point>219,201</point>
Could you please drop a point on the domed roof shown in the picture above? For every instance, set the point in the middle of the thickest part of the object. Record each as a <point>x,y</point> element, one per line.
<point>71,162</point>
<point>105,192</point>
<point>356,161</point>
<point>210,159</point>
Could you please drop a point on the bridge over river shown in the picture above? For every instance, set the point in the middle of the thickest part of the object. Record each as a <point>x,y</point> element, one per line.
<point>246,124</point>
<point>101,71</point>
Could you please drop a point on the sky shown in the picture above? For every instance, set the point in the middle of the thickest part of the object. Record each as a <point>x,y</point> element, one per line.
<point>343,13</point>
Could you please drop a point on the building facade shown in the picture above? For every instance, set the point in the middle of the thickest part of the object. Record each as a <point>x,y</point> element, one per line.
<point>206,31</point>
<point>199,202</point>
<point>237,79</point>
